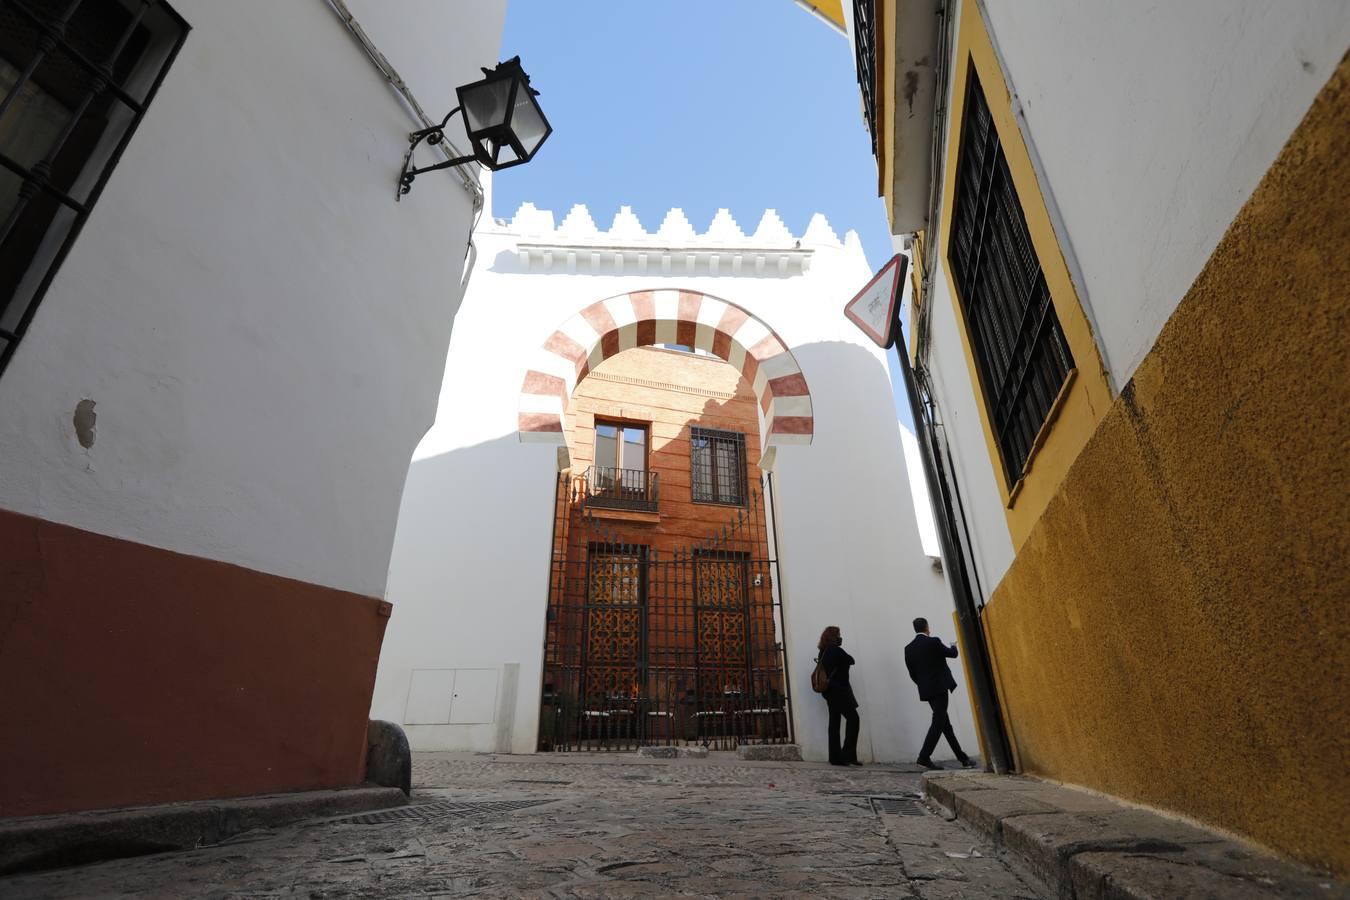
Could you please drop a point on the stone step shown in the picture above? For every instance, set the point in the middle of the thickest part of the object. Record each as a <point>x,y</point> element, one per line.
<point>1087,847</point>
<point>671,752</point>
<point>773,752</point>
<point>34,843</point>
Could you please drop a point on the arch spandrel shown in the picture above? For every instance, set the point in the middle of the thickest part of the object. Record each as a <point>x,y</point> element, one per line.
<point>647,318</point>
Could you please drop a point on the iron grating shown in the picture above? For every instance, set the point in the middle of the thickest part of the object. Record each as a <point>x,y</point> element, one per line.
<point>445,809</point>
<point>897,807</point>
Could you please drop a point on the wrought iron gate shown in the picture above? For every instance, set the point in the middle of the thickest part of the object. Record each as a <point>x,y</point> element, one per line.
<point>647,646</point>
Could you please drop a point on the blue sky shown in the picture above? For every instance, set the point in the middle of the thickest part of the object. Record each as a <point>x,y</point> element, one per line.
<point>700,104</point>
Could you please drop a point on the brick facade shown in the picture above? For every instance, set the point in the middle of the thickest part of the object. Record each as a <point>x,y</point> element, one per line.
<point>670,391</point>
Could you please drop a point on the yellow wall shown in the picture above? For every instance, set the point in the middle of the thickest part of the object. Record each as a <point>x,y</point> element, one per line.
<point>1087,395</point>
<point>1174,629</point>
<point>833,10</point>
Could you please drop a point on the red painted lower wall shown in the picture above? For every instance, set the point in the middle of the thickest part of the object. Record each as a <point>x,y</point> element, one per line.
<point>132,675</point>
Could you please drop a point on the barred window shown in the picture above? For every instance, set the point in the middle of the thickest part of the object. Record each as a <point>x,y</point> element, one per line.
<point>1019,348</point>
<point>615,574</point>
<point>865,52</point>
<point>75,77</point>
<point>717,459</point>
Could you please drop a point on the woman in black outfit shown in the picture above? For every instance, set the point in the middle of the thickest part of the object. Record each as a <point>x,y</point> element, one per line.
<point>839,696</point>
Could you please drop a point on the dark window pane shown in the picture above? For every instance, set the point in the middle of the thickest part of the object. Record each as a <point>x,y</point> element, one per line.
<point>1014,332</point>
<point>717,466</point>
<point>29,128</point>
<point>634,448</point>
<point>606,446</point>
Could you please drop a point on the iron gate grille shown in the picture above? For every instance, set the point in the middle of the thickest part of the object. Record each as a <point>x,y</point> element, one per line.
<point>647,647</point>
<point>1014,331</point>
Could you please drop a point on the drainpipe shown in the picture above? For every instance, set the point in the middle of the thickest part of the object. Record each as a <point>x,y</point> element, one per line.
<point>997,753</point>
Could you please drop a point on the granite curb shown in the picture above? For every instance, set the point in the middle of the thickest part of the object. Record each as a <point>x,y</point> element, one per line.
<point>34,843</point>
<point>1087,847</point>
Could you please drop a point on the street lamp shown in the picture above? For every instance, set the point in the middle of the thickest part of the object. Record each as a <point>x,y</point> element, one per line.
<point>501,116</point>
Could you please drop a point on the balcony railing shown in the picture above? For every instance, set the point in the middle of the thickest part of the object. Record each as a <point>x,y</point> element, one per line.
<point>609,488</point>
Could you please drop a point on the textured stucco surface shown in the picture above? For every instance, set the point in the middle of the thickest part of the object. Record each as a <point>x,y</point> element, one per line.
<point>1174,629</point>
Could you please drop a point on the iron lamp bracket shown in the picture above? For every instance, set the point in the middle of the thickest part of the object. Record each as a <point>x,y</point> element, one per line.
<point>433,136</point>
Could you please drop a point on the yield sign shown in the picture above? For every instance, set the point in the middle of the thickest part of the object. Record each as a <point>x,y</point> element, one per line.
<point>874,308</point>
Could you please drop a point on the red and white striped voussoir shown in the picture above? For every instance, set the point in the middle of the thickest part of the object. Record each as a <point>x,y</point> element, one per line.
<point>644,318</point>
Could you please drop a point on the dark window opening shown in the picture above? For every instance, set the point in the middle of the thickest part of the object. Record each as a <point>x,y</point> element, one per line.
<point>1020,351</point>
<point>717,460</point>
<point>76,76</point>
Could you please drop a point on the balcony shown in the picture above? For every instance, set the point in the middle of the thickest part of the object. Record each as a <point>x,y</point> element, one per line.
<point>633,490</point>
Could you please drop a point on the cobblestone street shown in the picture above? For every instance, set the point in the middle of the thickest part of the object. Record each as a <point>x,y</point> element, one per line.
<point>591,826</point>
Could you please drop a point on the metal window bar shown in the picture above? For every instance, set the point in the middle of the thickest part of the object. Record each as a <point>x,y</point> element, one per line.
<point>864,42</point>
<point>86,59</point>
<point>717,466</point>
<point>1019,346</point>
<point>611,488</point>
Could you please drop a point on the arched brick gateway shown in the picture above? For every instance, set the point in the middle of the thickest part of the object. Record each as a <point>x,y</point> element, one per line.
<point>644,318</point>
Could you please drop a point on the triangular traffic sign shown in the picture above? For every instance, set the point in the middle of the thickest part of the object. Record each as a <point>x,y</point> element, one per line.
<point>873,309</point>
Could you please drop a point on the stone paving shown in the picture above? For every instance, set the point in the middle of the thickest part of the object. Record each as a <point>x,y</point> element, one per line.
<point>591,825</point>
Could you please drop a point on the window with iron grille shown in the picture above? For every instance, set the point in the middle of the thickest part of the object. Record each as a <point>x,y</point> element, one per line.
<point>717,459</point>
<point>75,77</point>
<point>615,574</point>
<point>864,42</point>
<point>1019,348</point>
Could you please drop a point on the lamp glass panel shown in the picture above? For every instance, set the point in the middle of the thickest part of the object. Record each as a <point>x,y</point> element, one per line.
<point>527,121</point>
<point>484,103</point>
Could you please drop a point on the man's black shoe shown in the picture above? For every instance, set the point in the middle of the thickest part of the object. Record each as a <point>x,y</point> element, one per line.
<point>969,763</point>
<point>855,763</point>
<point>928,764</point>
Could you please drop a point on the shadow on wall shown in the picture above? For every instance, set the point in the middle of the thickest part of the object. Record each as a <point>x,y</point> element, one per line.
<point>468,580</point>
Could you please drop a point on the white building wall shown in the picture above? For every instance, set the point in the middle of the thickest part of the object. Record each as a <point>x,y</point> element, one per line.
<point>918,484</point>
<point>260,325</point>
<point>1171,118</point>
<point>469,574</point>
<point>958,406</point>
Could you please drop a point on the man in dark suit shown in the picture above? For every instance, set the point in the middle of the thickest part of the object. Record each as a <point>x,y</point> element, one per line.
<point>926,658</point>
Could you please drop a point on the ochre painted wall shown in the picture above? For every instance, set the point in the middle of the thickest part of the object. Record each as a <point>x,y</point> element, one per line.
<point>133,675</point>
<point>1174,630</point>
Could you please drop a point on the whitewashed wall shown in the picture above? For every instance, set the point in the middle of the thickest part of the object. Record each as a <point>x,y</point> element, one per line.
<point>469,574</point>
<point>923,503</point>
<point>973,467</point>
<point>1170,120</point>
<point>261,327</point>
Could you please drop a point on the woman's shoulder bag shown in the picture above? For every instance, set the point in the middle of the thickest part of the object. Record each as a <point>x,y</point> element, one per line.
<point>820,679</point>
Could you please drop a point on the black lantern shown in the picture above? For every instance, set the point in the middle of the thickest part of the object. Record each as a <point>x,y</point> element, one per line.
<point>505,125</point>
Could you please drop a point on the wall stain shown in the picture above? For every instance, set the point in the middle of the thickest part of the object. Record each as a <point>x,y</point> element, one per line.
<point>86,421</point>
